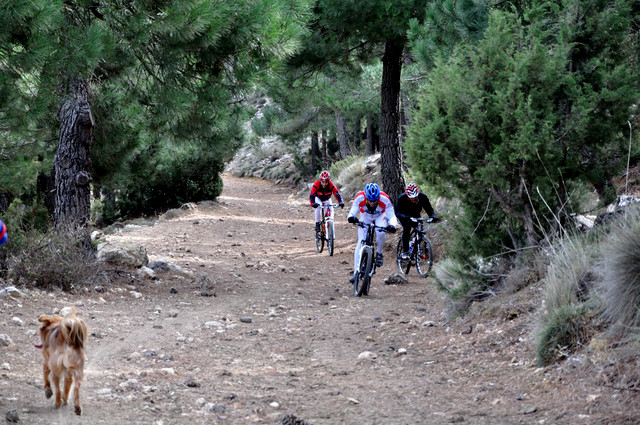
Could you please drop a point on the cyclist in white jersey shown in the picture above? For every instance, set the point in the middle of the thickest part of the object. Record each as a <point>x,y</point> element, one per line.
<point>376,207</point>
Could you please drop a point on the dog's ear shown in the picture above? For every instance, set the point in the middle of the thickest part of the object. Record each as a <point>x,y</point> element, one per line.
<point>46,320</point>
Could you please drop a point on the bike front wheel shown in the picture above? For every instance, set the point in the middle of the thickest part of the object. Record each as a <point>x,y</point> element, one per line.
<point>319,241</point>
<point>403,265</point>
<point>330,237</point>
<point>361,283</point>
<point>424,257</point>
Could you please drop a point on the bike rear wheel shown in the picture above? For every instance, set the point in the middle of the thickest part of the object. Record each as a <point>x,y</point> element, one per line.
<point>361,283</point>
<point>403,265</point>
<point>424,257</point>
<point>330,237</point>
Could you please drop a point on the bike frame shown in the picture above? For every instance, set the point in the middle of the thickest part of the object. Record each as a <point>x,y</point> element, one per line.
<point>368,242</point>
<point>326,212</point>
<point>367,245</point>
<point>327,228</point>
<point>416,235</point>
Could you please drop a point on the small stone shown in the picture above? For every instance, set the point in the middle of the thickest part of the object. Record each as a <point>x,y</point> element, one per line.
<point>366,355</point>
<point>245,319</point>
<point>12,416</point>
<point>5,340</point>
<point>11,291</point>
<point>216,408</point>
<point>17,321</point>
<point>191,382</point>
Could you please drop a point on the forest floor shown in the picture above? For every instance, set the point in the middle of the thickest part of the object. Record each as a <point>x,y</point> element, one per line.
<point>262,326</point>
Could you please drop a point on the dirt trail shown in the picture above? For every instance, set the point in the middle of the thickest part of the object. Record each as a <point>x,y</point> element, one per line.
<point>262,326</point>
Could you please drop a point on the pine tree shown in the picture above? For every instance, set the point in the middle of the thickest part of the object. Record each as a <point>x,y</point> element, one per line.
<point>511,124</point>
<point>357,32</point>
<point>158,76</point>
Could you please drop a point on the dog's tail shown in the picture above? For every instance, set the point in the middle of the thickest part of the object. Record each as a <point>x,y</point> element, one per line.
<point>74,331</point>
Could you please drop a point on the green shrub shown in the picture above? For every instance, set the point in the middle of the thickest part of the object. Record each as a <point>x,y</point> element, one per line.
<point>566,328</point>
<point>566,319</point>
<point>620,287</point>
<point>52,260</point>
<point>465,283</point>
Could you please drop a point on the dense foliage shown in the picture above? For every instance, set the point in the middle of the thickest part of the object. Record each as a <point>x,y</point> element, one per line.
<point>509,107</point>
<point>511,124</point>
<point>167,80</point>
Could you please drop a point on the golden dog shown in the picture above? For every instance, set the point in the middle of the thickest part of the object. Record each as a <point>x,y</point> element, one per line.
<point>63,343</point>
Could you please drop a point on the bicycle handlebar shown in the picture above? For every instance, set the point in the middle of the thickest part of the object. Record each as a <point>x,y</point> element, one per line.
<point>363,224</point>
<point>328,205</point>
<point>425,220</point>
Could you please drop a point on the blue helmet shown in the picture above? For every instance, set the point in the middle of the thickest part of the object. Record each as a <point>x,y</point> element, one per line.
<point>372,192</point>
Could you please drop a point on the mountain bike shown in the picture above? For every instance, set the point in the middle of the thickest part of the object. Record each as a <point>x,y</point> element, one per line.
<point>420,250</point>
<point>327,230</point>
<point>366,266</point>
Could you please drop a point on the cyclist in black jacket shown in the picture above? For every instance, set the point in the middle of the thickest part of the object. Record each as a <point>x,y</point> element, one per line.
<point>410,204</point>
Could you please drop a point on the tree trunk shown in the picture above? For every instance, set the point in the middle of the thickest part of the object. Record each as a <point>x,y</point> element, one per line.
<point>391,154</point>
<point>46,190</point>
<point>343,141</point>
<point>72,160</point>
<point>357,134</point>
<point>325,153</point>
<point>371,137</point>
<point>315,152</point>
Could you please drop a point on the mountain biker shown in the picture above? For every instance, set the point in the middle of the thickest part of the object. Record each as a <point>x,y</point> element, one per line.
<point>410,204</point>
<point>321,192</point>
<point>376,207</point>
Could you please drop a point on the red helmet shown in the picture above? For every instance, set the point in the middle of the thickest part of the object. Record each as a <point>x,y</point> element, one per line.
<point>412,190</point>
<point>324,176</point>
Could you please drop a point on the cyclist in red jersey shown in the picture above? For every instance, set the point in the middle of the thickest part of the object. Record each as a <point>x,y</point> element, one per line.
<point>321,192</point>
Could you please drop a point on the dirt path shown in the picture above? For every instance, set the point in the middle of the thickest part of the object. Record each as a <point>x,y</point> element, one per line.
<point>262,326</point>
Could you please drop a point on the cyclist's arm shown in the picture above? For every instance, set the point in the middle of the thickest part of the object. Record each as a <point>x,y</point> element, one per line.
<point>312,195</point>
<point>338,195</point>
<point>390,213</point>
<point>425,204</point>
<point>355,206</point>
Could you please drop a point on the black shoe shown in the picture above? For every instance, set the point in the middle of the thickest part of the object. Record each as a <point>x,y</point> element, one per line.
<point>379,259</point>
<point>317,227</point>
<point>405,256</point>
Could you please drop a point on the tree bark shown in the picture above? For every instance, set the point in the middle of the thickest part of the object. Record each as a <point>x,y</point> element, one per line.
<point>325,153</point>
<point>371,137</point>
<point>357,134</point>
<point>390,129</point>
<point>72,160</point>
<point>343,141</point>
<point>315,152</point>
